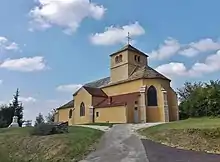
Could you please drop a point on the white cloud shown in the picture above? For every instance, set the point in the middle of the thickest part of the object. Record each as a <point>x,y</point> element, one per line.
<point>166,50</point>
<point>172,47</point>
<point>113,35</point>
<point>67,14</point>
<point>69,88</point>
<point>27,99</point>
<point>7,45</point>
<point>25,64</point>
<point>172,69</point>
<point>189,52</point>
<point>210,65</point>
<point>203,45</point>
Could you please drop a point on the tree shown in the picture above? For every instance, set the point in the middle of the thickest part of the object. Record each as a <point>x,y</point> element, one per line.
<point>17,107</point>
<point>39,119</point>
<point>6,115</point>
<point>51,115</point>
<point>199,99</point>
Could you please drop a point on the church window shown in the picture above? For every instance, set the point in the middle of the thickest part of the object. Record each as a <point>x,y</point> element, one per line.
<point>70,113</point>
<point>135,57</point>
<point>116,59</point>
<point>82,109</point>
<point>97,114</point>
<point>152,96</point>
<point>138,59</point>
<point>120,58</point>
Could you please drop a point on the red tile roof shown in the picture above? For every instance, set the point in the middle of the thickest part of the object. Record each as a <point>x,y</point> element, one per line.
<point>119,100</point>
<point>95,91</point>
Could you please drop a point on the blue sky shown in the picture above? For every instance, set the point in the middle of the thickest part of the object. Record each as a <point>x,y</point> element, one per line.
<point>49,48</point>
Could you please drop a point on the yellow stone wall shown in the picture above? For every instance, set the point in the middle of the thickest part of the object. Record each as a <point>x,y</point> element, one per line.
<point>86,98</point>
<point>119,73</point>
<point>156,113</point>
<point>63,116</point>
<point>173,105</point>
<point>111,115</point>
<point>123,114</point>
<point>129,87</point>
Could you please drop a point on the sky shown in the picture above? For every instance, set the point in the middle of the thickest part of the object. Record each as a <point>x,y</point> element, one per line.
<point>49,48</point>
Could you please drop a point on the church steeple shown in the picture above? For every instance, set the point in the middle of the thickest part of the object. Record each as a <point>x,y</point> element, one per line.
<point>125,61</point>
<point>129,38</point>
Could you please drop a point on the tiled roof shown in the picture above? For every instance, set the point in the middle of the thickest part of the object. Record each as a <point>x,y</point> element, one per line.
<point>95,91</point>
<point>119,100</point>
<point>98,83</point>
<point>129,48</point>
<point>146,72</point>
<point>67,105</point>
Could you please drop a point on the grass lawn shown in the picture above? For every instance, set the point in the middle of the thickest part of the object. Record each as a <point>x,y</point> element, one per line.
<point>201,134</point>
<point>102,124</point>
<point>16,145</point>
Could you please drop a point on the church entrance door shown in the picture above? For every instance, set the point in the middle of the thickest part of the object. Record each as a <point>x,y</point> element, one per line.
<point>136,115</point>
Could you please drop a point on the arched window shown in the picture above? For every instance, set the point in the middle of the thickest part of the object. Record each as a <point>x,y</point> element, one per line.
<point>82,109</point>
<point>135,57</point>
<point>139,59</point>
<point>152,96</point>
<point>120,58</point>
<point>116,59</point>
<point>70,113</point>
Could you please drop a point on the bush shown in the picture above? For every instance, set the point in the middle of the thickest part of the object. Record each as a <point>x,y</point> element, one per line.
<point>44,129</point>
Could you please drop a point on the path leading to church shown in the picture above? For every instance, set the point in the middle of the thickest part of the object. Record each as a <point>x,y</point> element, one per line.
<point>119,145</point>
<point>160,153</point>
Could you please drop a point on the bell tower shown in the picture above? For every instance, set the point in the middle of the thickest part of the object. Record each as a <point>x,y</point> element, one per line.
<point>125,61</point>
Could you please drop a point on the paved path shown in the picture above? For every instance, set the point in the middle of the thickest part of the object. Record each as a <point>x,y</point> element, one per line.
<point>161,153</point>
<point>119,144</point>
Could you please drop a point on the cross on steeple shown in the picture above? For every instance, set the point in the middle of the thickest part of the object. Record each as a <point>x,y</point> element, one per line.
<point>129,38</point>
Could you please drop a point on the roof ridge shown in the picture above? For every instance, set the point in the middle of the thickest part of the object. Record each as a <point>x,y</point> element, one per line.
<point>158,72</point>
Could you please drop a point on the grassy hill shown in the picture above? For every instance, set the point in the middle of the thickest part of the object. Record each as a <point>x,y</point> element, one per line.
<point>202,134</point>
<point>17,145</point>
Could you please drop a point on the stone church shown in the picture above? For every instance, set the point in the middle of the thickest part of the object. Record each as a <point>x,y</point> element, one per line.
<point>133,93</point>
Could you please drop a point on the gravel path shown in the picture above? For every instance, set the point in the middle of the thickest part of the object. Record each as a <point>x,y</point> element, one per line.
<point>160,153</point>
<point>119,144</point>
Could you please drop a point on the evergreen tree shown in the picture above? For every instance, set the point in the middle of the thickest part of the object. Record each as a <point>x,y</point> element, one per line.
<point>51,115</point>
<point>17,108</point>
<point>39,119</point>
<point>6,114</point>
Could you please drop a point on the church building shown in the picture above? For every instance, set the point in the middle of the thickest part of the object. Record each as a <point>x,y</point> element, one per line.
<point>133,93</point>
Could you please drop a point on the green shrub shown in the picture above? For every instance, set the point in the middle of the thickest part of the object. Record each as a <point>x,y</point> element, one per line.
<point>44,129</point>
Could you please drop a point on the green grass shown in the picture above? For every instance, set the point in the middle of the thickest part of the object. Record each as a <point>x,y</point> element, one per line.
<point>201,134</point>
<point>102,124</point>
<point>17,145</point>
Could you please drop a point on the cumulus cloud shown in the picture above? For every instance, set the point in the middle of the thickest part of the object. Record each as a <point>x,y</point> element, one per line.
<point>210,65</point>
<point>7,45</point>
<point>172,47</point>
<point>67,14</point>
<point>25,64</point>
<point>203,45</point>
<point>113,34</point>
<point>69,88</point>
<point>166,50</point>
